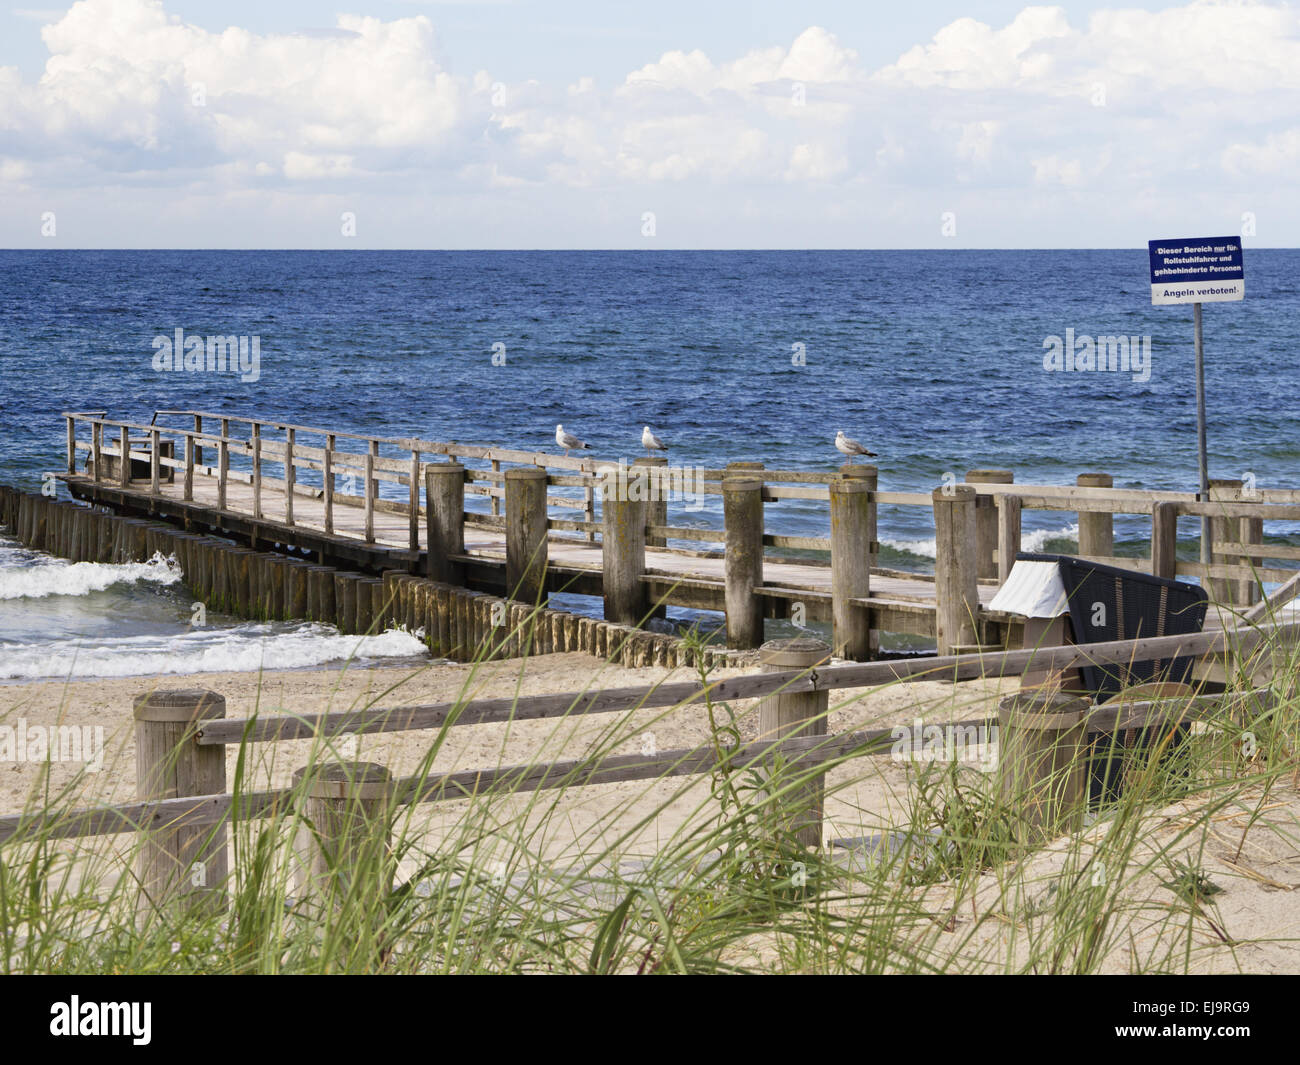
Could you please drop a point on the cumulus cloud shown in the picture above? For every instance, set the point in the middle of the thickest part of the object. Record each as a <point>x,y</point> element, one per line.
<point>1128,102</point>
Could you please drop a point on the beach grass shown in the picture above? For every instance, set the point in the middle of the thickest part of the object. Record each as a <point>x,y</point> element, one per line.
<point>533,881</point>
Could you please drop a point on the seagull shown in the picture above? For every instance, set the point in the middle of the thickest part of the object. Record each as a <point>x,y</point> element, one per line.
<point>651,442</point>
<point>568,441</point>
<point>848,446</point>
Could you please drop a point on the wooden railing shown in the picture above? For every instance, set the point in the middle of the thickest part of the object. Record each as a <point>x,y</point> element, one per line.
<point>181,737</point>
<point>977,522</point>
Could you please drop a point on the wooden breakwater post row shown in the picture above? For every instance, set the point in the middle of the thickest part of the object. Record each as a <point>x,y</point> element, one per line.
<point>225,577</point>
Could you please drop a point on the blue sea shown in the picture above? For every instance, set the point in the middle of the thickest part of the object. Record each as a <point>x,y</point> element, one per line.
<point>933,358</point>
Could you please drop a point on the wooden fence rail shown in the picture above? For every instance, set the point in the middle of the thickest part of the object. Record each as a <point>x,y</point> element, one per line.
<point>205,730</point>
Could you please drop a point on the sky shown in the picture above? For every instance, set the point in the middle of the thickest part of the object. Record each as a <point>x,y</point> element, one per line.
<point>500,124</point>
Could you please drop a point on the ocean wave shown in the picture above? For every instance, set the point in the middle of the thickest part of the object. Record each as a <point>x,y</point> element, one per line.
<point>82,578</point>
<point>243,649</point>
<point>1029,541</point>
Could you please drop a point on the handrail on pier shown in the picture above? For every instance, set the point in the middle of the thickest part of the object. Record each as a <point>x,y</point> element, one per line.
<point>977,521</point>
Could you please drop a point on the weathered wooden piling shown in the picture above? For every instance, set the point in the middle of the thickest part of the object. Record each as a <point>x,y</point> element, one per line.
<point>440,644</point>
<point>343,843</point>
<point>365,615</point>
<point>1096,530</point>
<point>526,552</point>
<point>345,602</point>
<point>444,485</point>
<point>657,497</point>
<point>295,588</point>
<point>276,573</point>
<point>742,504</point>
<point>1225,590</point>
<point>242,590</point>
<point>1008,534</point>
<point>1042,761</point>
<point>956,588</point>
<point>853,532</point>
<point>320,594</point>
<point>789,715</point>
<point>179,867</point>
<point>986,520</point>
<point>656,511</point>
<point>623,510</point>
<point>1251,531</point>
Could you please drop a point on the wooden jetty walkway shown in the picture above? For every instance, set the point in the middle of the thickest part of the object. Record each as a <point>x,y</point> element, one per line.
<point>555,523</point>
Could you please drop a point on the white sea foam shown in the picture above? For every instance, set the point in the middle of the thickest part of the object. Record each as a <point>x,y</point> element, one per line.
<point>1029,541</point>
<point>38,580</point>
<point>242,649</point>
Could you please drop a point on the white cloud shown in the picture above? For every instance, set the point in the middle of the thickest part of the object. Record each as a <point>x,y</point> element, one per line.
<point>1199,98</point>
<point>968,54</point>
<point>1278,154</point>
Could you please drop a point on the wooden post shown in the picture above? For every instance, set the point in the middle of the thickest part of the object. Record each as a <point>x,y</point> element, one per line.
<point>190,451</point>
<point>986,521</point>
<point>657,500</point>
<point>257,470</point>
<point>1043,761</point>
<point>1223,589</point>
<point>155,460</point>
<point>289,475</point>
<point>852,533</point>
<point>1249,591</point>
<point>656,510</point>
<point>321,593</point>
<point>796,715</point>
<point>124,471</point>
<point>1096,530</point>
<point>72,444</point>
<point>223,463</point>
<point>526,551</point>
<point>198,448</point>
<point>589,508</point>
<point>343,845</point>
<point>956,589</point>
<point>493,484</point>
<point>370,490</point>
<point>1008,534</point>
<point>345,602</point>
<point>1164,540</point>
<point>97,445</point>
<point>444,506</point>
<point>328,477</point>
<point>365,612</point>
<point>295,589</point>
<point>184,866</point>
<point>742,507</point>
<point>415,501</point>
<point>623,510</point>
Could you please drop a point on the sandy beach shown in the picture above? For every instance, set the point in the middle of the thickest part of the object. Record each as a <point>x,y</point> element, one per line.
<point>1257,870</point>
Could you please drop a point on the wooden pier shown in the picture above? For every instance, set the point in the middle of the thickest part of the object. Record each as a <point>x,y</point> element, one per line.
<point>552,523</point>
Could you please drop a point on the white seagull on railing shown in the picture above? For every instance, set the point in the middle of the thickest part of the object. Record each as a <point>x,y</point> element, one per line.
<point>568,441</point>
<point>651,442</point>
<point>848,446</point>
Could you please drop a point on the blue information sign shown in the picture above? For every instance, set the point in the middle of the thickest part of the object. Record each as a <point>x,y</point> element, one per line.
<point>1196,270</point>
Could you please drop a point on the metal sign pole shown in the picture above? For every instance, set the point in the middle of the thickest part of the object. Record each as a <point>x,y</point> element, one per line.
<point>1196,270</point>
<point>1204,494</point>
